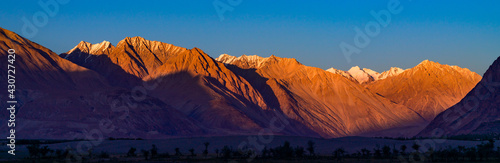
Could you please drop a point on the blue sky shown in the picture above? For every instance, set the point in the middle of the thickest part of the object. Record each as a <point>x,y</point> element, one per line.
<point>464,33</point>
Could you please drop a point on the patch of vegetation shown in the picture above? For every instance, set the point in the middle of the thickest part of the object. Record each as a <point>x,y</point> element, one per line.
<point>486,151</point>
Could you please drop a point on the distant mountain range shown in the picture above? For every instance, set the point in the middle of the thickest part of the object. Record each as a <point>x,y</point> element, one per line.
<point>151,89</point>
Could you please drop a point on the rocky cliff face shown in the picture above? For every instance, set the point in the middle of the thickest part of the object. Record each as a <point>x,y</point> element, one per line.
<point>477,113</point>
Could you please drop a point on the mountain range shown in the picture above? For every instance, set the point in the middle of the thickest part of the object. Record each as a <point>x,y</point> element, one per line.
<point>477,113</point>
<point>151,89</point>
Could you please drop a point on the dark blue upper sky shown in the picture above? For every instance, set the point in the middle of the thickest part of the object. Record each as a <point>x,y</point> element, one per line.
<point>464,33</point>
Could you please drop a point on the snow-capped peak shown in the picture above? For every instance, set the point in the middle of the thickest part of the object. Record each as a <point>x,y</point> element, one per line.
<point>391,72</point>
<point>360,75</point>
<point>341,72</point>
<point>94,49</point>
<point>372,73</point>
<point>100,47</point>
<point>427,63</point>
<point>365,75</point>
<point>227,59</point>
<point>253,58</point>
<point>251,61</point>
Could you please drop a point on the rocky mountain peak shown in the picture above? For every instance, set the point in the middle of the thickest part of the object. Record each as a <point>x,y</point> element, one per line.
<point>342,73</point>
<point>253,61</point>
<point>372,73</point>
<point>414,86</point>
<point>393,71</point>
<point>476,113</point>
<point>360,75</point>
<point>93,49</point>
<point>428,64</point>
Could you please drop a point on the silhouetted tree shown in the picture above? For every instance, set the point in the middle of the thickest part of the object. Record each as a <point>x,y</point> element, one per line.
<point>103,155</point>
<point>485,150</point>
<point>205,152</point>
<point>299,152</point>
<point>415,147</point>
<point>365,153</point>
<point>244,152</point>
<point>217,153</point>
<point>66,152</point>
<point>178,152</point>
<point>357,155</point>
<point>265,152</point>
<point>226,152</point>
<point>310,148</point>
<point>285,151</point>
<point>237,153</point>
<point>431,153</point>
<point>131,152</point>
<point>461,150</point>
<point>403,149</point>
<point>34,150</point>
<point>471,153</point>
<point>74,155</point>
<point>145,153</point>
<point>339,153</point>
<point>452,154</point>
<point>164,155</point>
<point>489,148</point>
<point>154,151</point>
<point>89,152</point>
<point>45,150</point>
<point>386,150</point>
<point>59,153</point>
<point>498,153</point>
<point>377,152</point>
<point>395,151</point>
<point>192,151</point>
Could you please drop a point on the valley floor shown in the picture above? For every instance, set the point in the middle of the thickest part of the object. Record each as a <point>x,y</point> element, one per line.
<point>179,149</point>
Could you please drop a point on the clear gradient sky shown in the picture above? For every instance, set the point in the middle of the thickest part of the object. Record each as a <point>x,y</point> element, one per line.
<point>455,32</point>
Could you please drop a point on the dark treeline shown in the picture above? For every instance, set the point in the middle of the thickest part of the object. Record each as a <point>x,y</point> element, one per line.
<point>483,152</point>
<point>481,137</point>
<point>471,137</point>
<point>34,141</point>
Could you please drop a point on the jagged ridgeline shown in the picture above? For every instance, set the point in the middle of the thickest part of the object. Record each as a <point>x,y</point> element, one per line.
<point>151,89</point>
